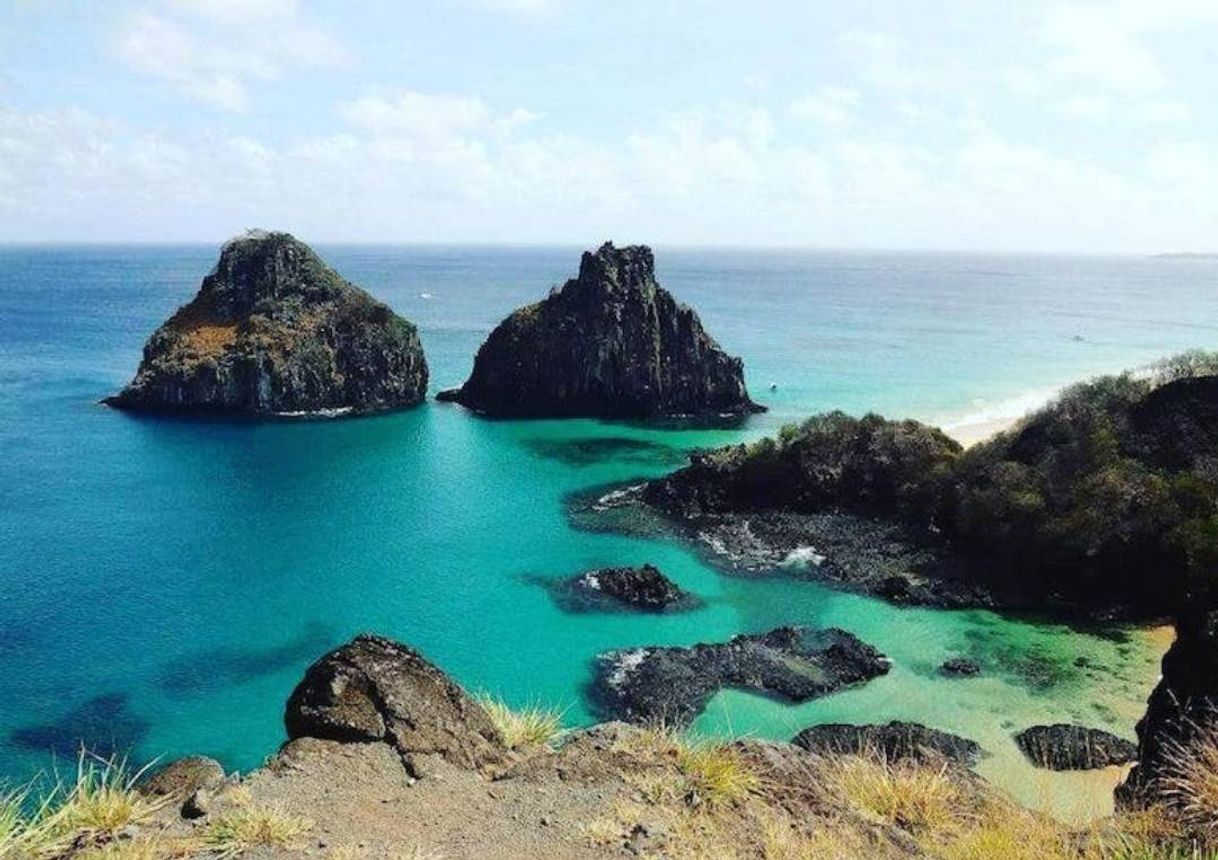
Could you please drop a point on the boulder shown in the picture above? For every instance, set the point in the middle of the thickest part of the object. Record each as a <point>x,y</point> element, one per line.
<point>895,741</point>
<point>182,778</point>
<point>274,330</point>
<point>1068,747</point>
<point>610,343</point>
<point>672,685</point>
<point>375,689</point>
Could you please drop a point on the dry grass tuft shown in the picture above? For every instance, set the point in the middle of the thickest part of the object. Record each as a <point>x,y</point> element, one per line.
<point>524,728</point>
<point>716,774</point>
<point>1191,783</point>
<point>236,832</point>
<point>103,800</point>
<point>917,798</point>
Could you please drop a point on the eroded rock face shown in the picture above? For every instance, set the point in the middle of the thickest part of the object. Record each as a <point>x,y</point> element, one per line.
<point>1068,747</point>
<point>643,588</point>
<point>374,689</point>
<point>274,330</point>
<point>895,741</point>
<point>610,343</point>
<point>1182,710</point>
<point>672,685</point>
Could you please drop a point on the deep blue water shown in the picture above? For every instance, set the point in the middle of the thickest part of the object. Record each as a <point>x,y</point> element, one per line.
<point>163,583</point>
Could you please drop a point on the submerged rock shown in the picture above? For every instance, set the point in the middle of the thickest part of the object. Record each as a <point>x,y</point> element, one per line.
<point>644,588</point>
<point>610,343</point>
<point>895,741</point>
<point>274,330</point>
<point>375,689</point>
<point>673,684</point>
<point>1068,747</point>
<point>960,667</point>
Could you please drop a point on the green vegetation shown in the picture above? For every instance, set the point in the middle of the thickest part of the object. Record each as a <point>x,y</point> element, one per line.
<point>1117,477</point>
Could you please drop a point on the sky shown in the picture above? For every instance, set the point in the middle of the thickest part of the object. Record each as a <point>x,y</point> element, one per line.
<point>987,125</point>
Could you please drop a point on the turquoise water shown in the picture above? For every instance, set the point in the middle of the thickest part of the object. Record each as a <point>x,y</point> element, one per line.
<point>163,583</point>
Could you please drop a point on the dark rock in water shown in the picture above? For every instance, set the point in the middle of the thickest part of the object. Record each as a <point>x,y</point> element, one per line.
<point>881,557</point>
<point>610,343</point>
<point>1067,747</point>
<point>1182,710</point>
<point>644,588</point>
<point>960,667</point>
<point>274,330</point>
<point>375,689</point>
<point>104,725</point>
<point>894,741</point>
<point>673,684</point>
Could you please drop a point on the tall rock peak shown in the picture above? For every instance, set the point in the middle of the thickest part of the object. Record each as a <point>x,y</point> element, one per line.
<point>611,343</point>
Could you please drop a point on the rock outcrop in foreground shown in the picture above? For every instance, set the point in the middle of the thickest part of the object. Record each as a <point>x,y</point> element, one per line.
<point>611,343</point>
<point>274,330</point>
<point>373,689</point>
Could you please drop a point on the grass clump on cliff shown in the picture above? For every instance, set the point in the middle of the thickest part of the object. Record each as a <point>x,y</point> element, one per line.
<point>523,728</point>
<point>1191,781</point>
<point>240,830</point>
<point>918,798</point>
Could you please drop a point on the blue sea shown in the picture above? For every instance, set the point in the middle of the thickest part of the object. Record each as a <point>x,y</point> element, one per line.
<point>164,582</point>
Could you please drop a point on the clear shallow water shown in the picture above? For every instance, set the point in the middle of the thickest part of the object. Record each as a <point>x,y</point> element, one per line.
<point>163,583</point>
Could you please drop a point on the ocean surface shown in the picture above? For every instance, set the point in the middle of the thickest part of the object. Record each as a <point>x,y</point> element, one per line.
<point>164,582</point>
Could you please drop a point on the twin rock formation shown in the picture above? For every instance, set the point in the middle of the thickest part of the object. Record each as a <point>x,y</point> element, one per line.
<point>275,331</point>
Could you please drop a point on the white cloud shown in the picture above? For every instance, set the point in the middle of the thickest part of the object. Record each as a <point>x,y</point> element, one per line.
<point>212,52</point>
<point>830,105</point>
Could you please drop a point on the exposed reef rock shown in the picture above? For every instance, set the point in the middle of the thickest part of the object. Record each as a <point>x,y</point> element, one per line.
<point>643,588</point>
<point>895,741</point>
<point>275,331</point>
<point>1182,710</point>
<point>610,343</point>
<point>374,689</point>
<point>1068,747</point>
<point>672,685</point>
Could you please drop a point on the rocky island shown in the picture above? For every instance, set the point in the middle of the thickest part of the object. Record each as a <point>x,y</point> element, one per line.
<point>273,330</point>
<point>611,343</point>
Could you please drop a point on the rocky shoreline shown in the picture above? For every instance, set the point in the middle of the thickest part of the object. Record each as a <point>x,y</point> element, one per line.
<point>386,754</point>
